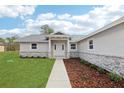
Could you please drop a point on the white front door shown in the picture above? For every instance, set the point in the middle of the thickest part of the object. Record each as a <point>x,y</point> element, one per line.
<point>59,50</point>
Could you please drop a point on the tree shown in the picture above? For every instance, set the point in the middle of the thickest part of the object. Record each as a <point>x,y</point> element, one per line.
<point>2,40</point>
<point>12,46</point>
<point>12,39</point>
<point>46,29</point>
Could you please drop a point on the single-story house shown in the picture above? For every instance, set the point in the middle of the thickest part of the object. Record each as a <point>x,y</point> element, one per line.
<point>104,47</point>
<point>54,45</point>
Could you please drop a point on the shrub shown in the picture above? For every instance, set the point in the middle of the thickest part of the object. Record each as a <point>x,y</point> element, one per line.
<point>93,66</point>
<point>32,57</point>
<point>85,62</point>
<point>114,77</point>
<point>44,57</point>
<point>21,56</point>
<point>101,70</point>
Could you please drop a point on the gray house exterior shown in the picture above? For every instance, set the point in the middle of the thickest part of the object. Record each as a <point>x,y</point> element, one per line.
<point>53,46</point>
<point>104,47</point>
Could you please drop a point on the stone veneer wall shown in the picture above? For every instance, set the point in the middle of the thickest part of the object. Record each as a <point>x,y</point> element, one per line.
<point>33,54</point>
<point>74,54</point>
<point>110,63</point>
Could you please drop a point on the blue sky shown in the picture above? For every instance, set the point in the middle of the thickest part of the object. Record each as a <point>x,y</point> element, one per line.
<point>10,23</point>
<point>70,19</point>
<point>72,9</point>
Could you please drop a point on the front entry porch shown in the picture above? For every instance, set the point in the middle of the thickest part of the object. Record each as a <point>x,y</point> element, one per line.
<point>59,47</point>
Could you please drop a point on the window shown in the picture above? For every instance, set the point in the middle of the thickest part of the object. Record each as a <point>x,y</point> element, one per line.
<point>34,46</point>
<point>73,46</point>
<point>55,47</point>
<point>62,47</point>
<point>91,44</point>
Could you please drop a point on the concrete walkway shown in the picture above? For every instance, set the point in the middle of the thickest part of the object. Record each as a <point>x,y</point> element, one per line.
<point>58,77</point>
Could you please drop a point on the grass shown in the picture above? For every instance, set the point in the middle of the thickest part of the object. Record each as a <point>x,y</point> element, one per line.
<point>16,72</point>
<point>114,77</point>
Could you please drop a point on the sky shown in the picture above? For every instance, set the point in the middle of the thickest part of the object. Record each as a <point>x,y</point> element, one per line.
<point>23,20</point>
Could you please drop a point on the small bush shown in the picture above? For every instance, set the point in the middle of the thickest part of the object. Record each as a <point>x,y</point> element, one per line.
<point>44,57</point>
<point>101,70</point>
<point>114,77</point>
<point>93,66</point>
<point>21,56</point>
<point>32,57</point>
<point>85,62</point>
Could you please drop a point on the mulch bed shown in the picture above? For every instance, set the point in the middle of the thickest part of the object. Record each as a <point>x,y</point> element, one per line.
<point>82,76</point>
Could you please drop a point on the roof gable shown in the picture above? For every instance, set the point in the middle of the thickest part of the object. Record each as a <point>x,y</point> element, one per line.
<point>58,33</point>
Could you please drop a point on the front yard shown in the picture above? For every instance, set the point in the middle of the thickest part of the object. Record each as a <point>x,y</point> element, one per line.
<point>86,76</point>
<point>16,72</point>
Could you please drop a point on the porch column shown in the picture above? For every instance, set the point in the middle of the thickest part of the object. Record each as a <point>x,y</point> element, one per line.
<point>49,50</point>
<point>68,49</point>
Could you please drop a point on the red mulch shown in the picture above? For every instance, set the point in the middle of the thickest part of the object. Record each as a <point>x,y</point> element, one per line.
<point>82,76</point>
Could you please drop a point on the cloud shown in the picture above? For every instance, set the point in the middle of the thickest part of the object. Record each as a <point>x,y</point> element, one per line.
<point>12,32</point>
<point>65,16</point>
<point>46,16</point>
<point>16,10</point>
<point>99,16</point>
<point>58,25</point>
<point>77,24</point>
<point>67,23</point>
<point>57,22</point>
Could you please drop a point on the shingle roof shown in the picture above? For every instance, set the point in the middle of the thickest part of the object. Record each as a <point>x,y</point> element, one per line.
<point>75,38</point>
<point>33,38</point>
<point>42,38</point>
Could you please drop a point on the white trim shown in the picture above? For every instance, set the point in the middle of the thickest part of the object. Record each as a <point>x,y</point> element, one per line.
<point>58,36</point>
<point>88,44</point>
<point>68,49</point>
<point>49,49</point>
<point>31,46</point>
<point>75,46</point>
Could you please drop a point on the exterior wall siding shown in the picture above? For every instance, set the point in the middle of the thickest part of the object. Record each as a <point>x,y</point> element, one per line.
<point>108,49</point>
<point>41,51</point>
<point>74,54</point>
<point>34,54</point>
<point>109,42</point>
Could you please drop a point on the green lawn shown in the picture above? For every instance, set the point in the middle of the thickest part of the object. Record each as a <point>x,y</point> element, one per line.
<point>16,72</point>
